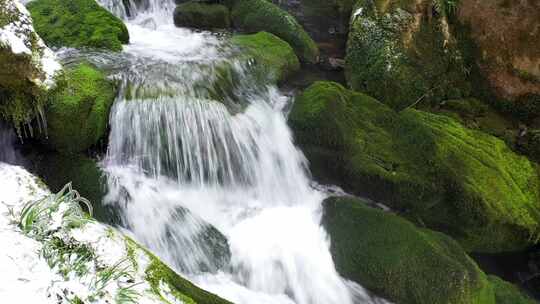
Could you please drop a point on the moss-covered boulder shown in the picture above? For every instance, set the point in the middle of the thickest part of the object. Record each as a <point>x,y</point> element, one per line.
<point>261,15</point>
<point>476,114</point>
<point>27,66</point>
<point>273,56</point>
<point>429,167</point>
<point>78,23</point>
<point>393,258</point>
<point>255,60</point>
<point>78,109</point>
<point>404,51</point>
<point>202,15</point>
<point>507,293</point>
<point>326,21</point>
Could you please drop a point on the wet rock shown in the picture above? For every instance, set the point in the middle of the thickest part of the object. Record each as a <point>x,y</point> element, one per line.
<point>512,73</point>
<point>274,57</point>
<point>403,51</point>
<point>78,109</point>
<point>202,15</point>
<point>27,66</point>
<point>206,248</point>
<point>429,167</point>
<point>333,64</point>
<point>260,15</point>
<point>391,257</point>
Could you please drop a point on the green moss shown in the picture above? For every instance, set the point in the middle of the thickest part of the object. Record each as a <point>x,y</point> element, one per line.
<point>324,109</point>
<point>507,293</point>
<point>431,168</point>
<point>78,23</point>
<point>21,95</point>
<point>391,257</point>
<point>400,55</point>
<point>157,273</point>
<point>476,114</point>
<point>275,57</point>
<point>78,109</point>
<point>262,15</point>
<point>202,15</point>
<point>20,107</point>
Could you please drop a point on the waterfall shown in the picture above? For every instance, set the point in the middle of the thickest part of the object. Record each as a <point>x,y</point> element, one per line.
<point>156,10</point>
<point>203,168</point>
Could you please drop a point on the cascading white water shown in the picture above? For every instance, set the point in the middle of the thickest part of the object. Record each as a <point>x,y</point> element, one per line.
<point>224,198</point>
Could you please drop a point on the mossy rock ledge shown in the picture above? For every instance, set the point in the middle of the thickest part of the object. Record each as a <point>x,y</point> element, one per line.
<point>274,57</point>
<point>78,109</point>
<point>27,66</point>
<point>393,258</point>
<point>428,167</point>
<point>202,15</point>
<point>254,16</point>
<point>255,60</point>
<point>402,51</point>
<point>511,74</point>
<point>507,293</point>
<point>78,23</point>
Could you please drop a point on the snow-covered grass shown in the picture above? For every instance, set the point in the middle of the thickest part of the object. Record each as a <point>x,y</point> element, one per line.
<point>54,252</point>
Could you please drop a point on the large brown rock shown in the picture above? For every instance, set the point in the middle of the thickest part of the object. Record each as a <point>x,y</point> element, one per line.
<point>506,35</point>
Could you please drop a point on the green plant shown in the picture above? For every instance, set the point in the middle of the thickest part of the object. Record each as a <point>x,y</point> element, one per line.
<point>127,295</point>
<point>446,7</point>
<point>113,273</point>
<point>36,215</point>
<point>49,221</point>
<point>67,256</point>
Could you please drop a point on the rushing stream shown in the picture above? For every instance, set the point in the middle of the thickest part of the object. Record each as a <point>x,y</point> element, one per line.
<point>205,171</point>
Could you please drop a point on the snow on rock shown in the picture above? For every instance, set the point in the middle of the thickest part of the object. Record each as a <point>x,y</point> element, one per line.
<point>25,54</point>
<point>53,252</point>
<point>25,277</point>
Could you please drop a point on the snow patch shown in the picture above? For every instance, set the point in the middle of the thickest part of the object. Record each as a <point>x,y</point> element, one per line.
<point>25,277</point>
<point>75,257</point>
<point>20,37</point>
